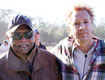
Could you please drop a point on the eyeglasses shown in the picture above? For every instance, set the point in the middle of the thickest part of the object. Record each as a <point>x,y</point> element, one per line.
<point>18,35</point>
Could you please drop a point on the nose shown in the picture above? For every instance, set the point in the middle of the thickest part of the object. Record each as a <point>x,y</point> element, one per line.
<point>82,26</point>
<point>23,38</point>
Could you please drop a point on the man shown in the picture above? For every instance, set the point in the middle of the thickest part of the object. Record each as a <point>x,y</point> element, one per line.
<point>81,56</point>
<point>37,40</point>
<point>4,47</point>
<point>25,61</point>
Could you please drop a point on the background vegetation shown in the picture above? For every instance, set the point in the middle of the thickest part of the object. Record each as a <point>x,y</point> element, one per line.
<point>51,32</point>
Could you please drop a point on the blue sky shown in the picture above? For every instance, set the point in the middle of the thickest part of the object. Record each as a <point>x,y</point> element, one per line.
<point>51,9</point>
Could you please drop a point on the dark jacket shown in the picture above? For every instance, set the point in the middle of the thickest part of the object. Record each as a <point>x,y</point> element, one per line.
<point>42,46</point>
<point>41,65</point>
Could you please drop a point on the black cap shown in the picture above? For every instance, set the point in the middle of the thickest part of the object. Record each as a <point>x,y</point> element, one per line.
<point>19,20</point>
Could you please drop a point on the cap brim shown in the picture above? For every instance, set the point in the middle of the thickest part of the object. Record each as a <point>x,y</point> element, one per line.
<point>15,27</point>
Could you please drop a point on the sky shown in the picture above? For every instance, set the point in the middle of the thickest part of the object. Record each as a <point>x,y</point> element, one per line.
<point>51,9</point>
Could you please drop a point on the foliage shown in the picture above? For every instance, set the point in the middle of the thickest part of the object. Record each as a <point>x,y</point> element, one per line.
<point>100,31</point>
<point>51,33</point>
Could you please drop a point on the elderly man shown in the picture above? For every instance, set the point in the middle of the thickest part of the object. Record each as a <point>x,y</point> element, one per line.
<point>25,61</point>
<point>81,56</point>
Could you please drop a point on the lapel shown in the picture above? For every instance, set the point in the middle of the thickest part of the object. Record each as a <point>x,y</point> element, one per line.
<point>40,61</point>
<point>96,52</point>
<point>16,64</point>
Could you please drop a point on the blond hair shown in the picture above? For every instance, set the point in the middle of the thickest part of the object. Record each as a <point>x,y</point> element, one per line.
<point>79,7</point>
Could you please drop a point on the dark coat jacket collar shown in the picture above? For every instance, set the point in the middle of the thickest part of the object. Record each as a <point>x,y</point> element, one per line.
<point>16,64</point>
<point>39,61</point>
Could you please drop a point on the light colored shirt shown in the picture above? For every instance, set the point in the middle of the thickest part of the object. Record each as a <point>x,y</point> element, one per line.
<point>81,61</point>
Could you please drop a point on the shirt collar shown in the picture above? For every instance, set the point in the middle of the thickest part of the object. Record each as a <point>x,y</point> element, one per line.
<point>95,46</point>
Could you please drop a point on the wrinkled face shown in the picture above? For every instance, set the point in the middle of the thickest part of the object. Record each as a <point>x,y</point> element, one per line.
<point>81,25</point>
<point>22,40</point>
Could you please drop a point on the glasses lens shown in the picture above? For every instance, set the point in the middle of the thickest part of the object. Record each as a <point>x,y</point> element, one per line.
<point>17,36</point>
<point>28,35</point>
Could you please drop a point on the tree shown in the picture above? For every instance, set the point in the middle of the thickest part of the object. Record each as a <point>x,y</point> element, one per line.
<point>5,16</point>
<point>100,31</point>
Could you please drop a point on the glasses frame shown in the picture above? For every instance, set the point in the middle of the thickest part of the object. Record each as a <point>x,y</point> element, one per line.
<point>19,35</point>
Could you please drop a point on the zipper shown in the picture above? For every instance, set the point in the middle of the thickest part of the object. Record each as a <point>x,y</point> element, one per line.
<point>84,66</point>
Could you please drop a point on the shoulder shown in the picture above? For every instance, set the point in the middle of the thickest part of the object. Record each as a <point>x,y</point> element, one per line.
<point>46,57</point>
<point>46,54</point>
<point>61,45</point>
<point>65,42</point>
<point>102,41</point>
<point>42,46</point>
<point>3,56</point>
<point>3,60</point>
<point>102,44</point>
<point>47,62</point>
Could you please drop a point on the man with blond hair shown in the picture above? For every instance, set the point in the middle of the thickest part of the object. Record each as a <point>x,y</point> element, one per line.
<point>81,56</point>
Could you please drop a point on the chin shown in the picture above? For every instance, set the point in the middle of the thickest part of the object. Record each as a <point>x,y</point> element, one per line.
<point>83,39</point>
<point>23,51</point>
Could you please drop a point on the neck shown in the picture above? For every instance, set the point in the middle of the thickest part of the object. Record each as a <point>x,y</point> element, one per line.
<point>85,47</point>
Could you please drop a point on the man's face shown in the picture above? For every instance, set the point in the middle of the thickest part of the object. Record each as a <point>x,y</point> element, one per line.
<point>81,25</point>
<point>37,36</point>
<point>6,44</point>
<point>22,40</point>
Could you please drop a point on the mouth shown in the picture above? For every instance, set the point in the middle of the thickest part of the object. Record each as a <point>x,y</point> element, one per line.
<point>83,34</point>
<point>23,45</point>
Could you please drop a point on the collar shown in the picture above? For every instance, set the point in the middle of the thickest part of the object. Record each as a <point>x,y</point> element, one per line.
<point>16,64</point>
<point>40,60</point>
<point>95,46</point>
<point>36,58</point>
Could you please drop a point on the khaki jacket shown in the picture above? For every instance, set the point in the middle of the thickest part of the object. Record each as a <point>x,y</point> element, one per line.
<point>41,65</point>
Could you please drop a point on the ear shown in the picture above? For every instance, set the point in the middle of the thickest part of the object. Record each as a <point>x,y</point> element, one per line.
<point>9,38</point>
<point>69,29</point>
<point>93,28</point>
<point>93,31</point>
<point>7,35</point>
